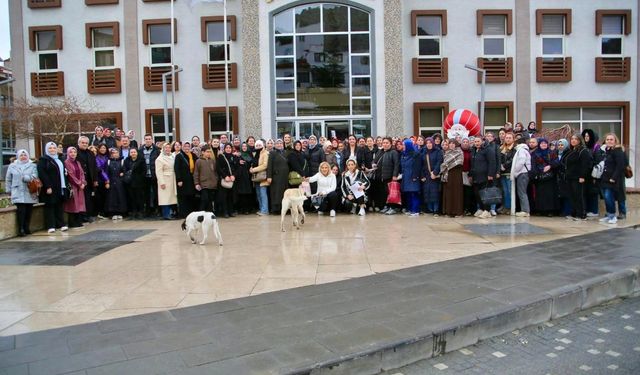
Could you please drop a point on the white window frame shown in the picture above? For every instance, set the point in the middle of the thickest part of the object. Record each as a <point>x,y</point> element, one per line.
<point>584,124</point>
<point>46,52</point>
<point>550,36</point>
<point>431,37</point>
<point>226,43</point>
<point>613,36</point>
<point>504,46</point>
<point>432,129</point>
<point>111,49</point>
<point>161,135</point>
<point>496,128</point>
<point>152,46</point>
<point>219,133</point>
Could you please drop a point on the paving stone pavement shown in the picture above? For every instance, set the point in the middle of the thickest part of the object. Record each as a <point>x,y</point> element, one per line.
<point>361,325</point>
<point>601,340</point>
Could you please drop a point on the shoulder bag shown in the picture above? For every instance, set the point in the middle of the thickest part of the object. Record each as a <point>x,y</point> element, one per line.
<point>34,185</point>
<point>224,183</point>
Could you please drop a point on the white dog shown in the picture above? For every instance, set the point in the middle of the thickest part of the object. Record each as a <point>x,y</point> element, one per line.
<point>201,221</point>
<point>293,199</point>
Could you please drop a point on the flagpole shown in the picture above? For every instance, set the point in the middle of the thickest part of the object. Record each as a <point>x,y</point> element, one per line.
<point>226,67</point>
<point>173,77</point>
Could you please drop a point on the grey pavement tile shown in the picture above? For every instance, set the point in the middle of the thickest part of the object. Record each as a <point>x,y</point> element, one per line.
<point>31,354</point>
<point>206,309</point>
<point>474,307</point>
<point>120,324</point>
<point>261,363</point>
<point>7,343</point>
<point>76,362</point>
<point>15,370</point>
<point>80,344</point>
<point>301,355</point>
<point>223,348</point>
<point>159,364</point>
<point>165,344</point>
<point>512,295</point>
<point>465,292</point>
<point>354,341</point>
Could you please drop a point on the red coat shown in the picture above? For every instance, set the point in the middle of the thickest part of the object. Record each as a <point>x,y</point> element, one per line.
<point>75,178</point>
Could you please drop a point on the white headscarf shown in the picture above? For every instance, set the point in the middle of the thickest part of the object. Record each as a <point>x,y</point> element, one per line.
<point>19,153</point>
<point>56,159</point>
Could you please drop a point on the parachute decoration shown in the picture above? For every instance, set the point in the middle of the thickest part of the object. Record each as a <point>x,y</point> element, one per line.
<point>461,122</point>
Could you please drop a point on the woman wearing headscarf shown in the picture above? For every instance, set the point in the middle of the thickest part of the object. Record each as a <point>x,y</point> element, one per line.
<point>53,176</point>
<point>431,177</point>
<point>134,169</point>
<point>578,163</point>
<point>468,197</point>
<point>102,165</point>
<point>544,163</point>
<point>451,177</point>
<point>411,171</point>
<point>532,129</point>
<point>297,161</point>
<point>19,174</point>
<point>482,174</point>
<point>226,165</point>
<point>277,176</point>
<point>564,203</point>
<point>116,203</point>
<point>592,185</point>
<point>243,186</point>
<point>167,192</point>
<point>329,153</point>
<point>184,166</point>
<point>354,178</point>
<point>205,179</point>
<point>75,205</point>
<point>260,165</point>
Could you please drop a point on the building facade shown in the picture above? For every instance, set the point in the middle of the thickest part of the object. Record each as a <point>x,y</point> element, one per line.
<point>335,67</point>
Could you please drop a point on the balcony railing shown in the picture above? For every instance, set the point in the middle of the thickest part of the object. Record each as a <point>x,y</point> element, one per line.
<point>213,76</point>
<point>430,70</point>
<point>613,69</point>
<point>499,70</point>
<point>47,84</point>
<point>553,69</point>
<point>153,78</point>
<point>103,81</point>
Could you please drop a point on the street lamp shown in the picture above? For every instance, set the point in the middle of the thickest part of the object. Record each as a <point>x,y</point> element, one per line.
<point>173,104</point>
<point>483,72</point>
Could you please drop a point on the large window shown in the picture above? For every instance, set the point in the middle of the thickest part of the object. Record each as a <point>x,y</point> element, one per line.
<point>46,41</point>
<point>154,125</point>
<point>215,121</point>
<point>322,65</point>
<point>428,117</point>
<point>157,34</point>
<point>494,35</point>
<point>496,114</point>
<point>429,30</point>
<point>553,30</point>
<point>103,38</point>
<point>602,120</point>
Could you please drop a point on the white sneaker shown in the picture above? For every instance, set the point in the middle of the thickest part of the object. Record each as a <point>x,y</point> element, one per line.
<point>332,213</point>
<point>485,215</point>
<point>384,210</point>
<point>390,211</point>
<point>64,229</point>
<point>51,230</point>
<point>376,209</point>
<point>493,213</point>
<point>522,214</point>
<point>320,213</point>
<point>414,214</point>
<point>591,214</point>
<point>362,211</point>
<point>114,217</point>
<point>613,220</point>
<point>436,215</point>
<point>370,209</point>
<point>602,219</point>
<point>478,213</point>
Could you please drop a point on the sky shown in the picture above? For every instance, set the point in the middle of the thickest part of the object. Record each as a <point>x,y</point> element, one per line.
<point>5,43</point>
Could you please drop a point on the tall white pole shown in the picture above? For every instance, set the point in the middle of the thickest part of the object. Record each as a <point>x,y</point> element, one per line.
<point>226,68</point>
<point>173,77</point>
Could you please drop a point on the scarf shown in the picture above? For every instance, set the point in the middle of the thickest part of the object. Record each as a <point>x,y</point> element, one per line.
<point>22,165</point>
<point>56,159</point>
<point>452,159</point>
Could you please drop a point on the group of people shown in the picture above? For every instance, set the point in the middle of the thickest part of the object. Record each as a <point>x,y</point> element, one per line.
<point>112,177</point>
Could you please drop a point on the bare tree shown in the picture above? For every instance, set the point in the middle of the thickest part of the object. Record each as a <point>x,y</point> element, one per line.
<point>53,118</point>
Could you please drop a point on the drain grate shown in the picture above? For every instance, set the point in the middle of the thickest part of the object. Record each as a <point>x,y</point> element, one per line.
<point>506,229</point>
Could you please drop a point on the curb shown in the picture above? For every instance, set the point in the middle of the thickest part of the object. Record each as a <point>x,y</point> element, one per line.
<point>468,330</point>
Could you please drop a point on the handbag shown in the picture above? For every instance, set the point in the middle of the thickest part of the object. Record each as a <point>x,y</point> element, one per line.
<point>490,195</point>
<point>259,176</point>
<point>224,183</point>
<point>628,172</point>
<point>545,176</point>
<point>34,185</point>
<point>598,170</point>
<point>67,194</point>
<point>394,196</point>
<point>295,178</point>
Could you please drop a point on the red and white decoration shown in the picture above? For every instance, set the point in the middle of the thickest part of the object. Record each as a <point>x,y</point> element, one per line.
<point>461,122</point>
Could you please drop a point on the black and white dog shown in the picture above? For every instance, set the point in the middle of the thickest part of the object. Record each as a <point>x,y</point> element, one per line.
<point>201,221</point>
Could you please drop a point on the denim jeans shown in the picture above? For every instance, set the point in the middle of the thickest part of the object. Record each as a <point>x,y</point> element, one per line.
<point>166,212</point>
<point>433,207</point>
<point>263,199</point>
<point>506,192</point>
<point>622,207</point>
<point>609,201</point>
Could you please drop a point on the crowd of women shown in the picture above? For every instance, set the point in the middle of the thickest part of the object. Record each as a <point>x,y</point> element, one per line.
<point>111,177</point>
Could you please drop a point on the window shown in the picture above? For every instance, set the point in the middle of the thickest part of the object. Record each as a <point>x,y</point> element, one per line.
<point>496,114</point>
<point>154,124</point>
<point>100,2</point>
<point>34,4</point>
<point>213,32</point>
<point>157,34</point>
<point>46,41</point>
<point>602,117</point>
<point>553,35</point>
<point>429,31</point>
<point>428,117</point>
<point>493,35</point>
<point>611,26</point>
<point>552,25</point>
<point>215,121</point>
<point>103,38</point>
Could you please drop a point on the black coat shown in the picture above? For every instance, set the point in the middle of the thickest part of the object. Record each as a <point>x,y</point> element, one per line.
<point>483,164</point>
<point>49,174</point>
<point>368,156</point>
<point>346,154</point>
<point>577,163</point>
<point>88,162</point>
<point>614,164</point>
<point>388,165</point>
<point>243,184</point>
<point>116,202</point>
<point>184,175</point>
<point>226,168</point>
<point>315,156</point>
<point>297,162</point>
<point>137,176</point>
<point>155,152</point>
<point>278,172</point>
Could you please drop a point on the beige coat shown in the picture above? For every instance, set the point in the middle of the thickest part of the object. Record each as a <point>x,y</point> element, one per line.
<point>166,176</point>
<point>263,163</point>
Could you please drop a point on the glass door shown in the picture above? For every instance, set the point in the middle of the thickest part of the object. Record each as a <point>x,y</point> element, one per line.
<point>308,128</point>
<point>337,129</point>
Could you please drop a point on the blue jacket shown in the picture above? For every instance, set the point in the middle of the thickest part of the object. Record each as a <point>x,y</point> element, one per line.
<point>411,165</point>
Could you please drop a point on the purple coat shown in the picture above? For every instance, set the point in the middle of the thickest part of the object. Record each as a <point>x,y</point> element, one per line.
<point>75,178</point>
